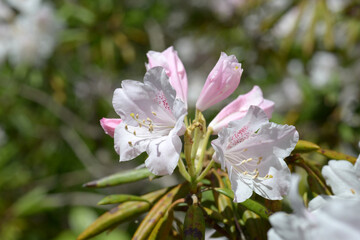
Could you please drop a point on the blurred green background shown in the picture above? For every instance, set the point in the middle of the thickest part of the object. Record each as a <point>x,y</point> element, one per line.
<point>304,55</point>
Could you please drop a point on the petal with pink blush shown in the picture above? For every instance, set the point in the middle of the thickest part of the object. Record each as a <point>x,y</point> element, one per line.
<point>174,68</point>
<point>221,82</point>
<point>109,125</point>
<point>253,150</point>
<point>237,109</point>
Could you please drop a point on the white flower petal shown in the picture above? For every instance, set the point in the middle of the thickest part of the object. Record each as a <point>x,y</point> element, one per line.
<point>288,226</point>
<point>342,178</point>
<point>242,189</point>
<point>127,145</point>
<point>272,138</point>
<point>295,200</point>
<point>219,153</point>
<point>157,79</point>
<point>252,121</point>
<point>276,187</point>
<point>164,155</point>
<point>319,201</point>
<point>333,218</point>
<point>338,219</point>
<point>357,166</point>
<point>152,121</point>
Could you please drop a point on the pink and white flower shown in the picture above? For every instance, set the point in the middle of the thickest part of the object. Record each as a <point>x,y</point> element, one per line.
<point>174,68</point>
<point>152,121</point>
<point>253,151</point>
<point>221,82</point>
<point>238,108</point>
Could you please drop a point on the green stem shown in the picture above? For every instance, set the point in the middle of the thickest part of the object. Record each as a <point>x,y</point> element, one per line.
<point>336,155</point>
<point>203,150</point>
<point>183,171</point>
<point>187,149</point>
<point>206,170</point>
<point>312,173</point>
<point>196,136</point>
<point>186,121</point>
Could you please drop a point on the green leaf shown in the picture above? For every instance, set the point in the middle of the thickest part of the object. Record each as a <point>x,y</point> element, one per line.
<point>213,214</point>
<point>34,201</point>
<point>120,178</point>
<point>336,155</point>
<point>194,225</point>
<point>120,198</point>
<point>120,214</point>
<point>255,226</point>
<point>305,146</point>
<point>225,191</point>
<point>224,204</point>
<point>249,203</point>
<point>163,227</point>
<point>158,210</point>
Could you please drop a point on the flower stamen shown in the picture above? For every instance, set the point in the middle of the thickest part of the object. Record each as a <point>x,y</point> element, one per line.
<point>148,123</point>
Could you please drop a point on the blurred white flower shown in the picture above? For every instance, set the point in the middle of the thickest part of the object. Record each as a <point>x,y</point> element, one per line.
<point>286,95</point>
<point>33,31</point>
<point>5,11</point>
<point>323,67</point>
<point>337,5</point>
<point>349,97</point>
<point>225,8</point>
<point>343,177</point>
<point>287,23</point>
<point>333,219</point>
<point>4,41</point>
<point>25,6</point>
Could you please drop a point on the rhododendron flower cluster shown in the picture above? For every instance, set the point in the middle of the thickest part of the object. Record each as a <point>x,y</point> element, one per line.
<point>237,168</point>
<point>152,117</point>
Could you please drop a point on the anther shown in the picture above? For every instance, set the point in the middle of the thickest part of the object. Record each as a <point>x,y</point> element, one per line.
<point>260,158</point>
<point>126,127</point>
<point>130,143</point>
<point>256,174</point>
<point>134,133</point>
<point>352,190</point>
<point>246,160</point>
<point>154,113</point>
<point>132,115</point>
<point>137,116</point>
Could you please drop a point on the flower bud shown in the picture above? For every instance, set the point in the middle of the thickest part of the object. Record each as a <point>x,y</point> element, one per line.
<point>174,68</point>
<point>238,108</point>
<point>109,125</point>
<point>221,82</point>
